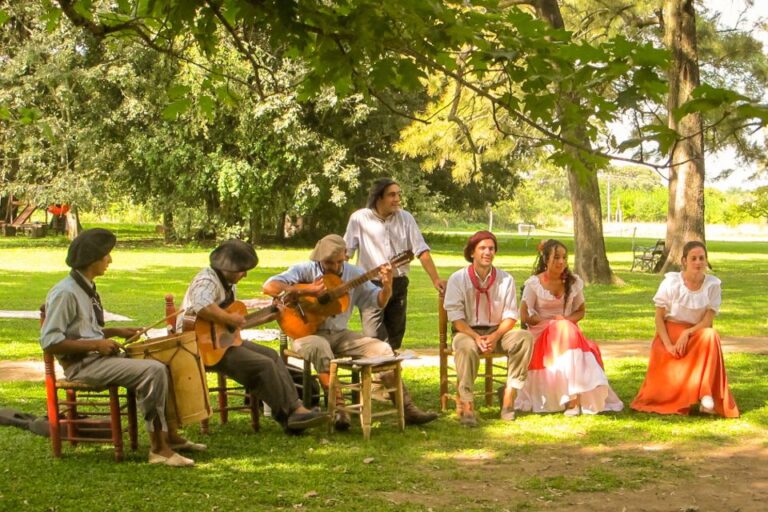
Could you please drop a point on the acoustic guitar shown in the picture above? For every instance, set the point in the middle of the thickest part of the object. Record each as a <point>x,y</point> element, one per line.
<point>214,339</point>
<point>303,316</point>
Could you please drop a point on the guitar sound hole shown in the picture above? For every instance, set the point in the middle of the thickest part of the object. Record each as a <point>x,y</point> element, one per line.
<point>324,299</point>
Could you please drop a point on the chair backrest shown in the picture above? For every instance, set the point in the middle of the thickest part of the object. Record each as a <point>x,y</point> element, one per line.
<point>659,247</point>
<point>170,310</point>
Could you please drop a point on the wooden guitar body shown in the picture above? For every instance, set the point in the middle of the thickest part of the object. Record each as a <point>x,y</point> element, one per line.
<point>214,339</point>
<point>303,317</point>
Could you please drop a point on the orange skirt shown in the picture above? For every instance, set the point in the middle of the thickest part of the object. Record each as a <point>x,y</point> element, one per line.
<point>672,385</point>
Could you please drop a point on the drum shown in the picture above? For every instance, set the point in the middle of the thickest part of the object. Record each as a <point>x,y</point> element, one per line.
<point>188,397</point>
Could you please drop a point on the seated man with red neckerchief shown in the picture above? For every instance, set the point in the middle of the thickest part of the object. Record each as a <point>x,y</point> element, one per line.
<point>481,304</point>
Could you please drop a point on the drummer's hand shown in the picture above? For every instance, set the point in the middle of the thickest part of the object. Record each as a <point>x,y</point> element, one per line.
<point>107,347</point>
<point>125,332</point>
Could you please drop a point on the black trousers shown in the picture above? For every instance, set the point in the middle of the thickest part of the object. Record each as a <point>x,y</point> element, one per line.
<point>261,369</point>
<point>388,324</point>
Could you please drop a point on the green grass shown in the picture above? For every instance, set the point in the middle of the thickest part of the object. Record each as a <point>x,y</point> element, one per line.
<point>536,463</point>
<point>144,270</point>
<point>243,469</point>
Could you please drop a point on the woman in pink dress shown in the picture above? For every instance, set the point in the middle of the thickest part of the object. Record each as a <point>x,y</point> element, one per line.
<point>566,370</point>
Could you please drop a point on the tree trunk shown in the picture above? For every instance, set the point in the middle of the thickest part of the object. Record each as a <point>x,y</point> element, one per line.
<point>591,262</point>
<point>73,223</point>
<point>685,216</point>
<point>169,234</point>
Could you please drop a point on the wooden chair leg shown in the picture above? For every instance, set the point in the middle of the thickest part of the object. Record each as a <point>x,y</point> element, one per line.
<point>399,403</point>
<point>114,416</point>
<point>488,381</point>
<point>443,382</point>
<point>223,398</point>
<point>71,416</point>
<point>306,383</point>
<point>332,385</point>
<point>53,422</point>
<point>253,402</point>
<point>365,402</point>
<point>133,429</point>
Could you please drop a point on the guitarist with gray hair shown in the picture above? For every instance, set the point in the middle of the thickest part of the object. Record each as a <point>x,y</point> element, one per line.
<point>325,291</point>
<point>210,298</point>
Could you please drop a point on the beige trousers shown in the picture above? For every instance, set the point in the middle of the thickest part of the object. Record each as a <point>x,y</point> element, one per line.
<point>516,344</point>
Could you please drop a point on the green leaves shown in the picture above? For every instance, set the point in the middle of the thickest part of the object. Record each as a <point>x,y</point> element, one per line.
<point>706,98</point>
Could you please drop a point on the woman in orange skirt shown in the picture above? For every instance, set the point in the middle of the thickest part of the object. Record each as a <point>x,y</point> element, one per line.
<point>686,366</point>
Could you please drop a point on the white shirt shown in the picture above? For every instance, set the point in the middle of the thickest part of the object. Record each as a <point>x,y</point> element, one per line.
<point>204,290</point>
<point>378,240</point>
<point>461,300</point>
<point>684,305</point>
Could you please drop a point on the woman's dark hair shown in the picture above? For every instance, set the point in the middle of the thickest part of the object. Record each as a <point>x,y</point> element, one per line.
<point>693,244</point>
<point>546,248</point>
<point>377,191</point>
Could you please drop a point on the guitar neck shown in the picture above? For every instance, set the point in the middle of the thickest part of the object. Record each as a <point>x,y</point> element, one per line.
<point>352,283</point>
<point>261,316</point>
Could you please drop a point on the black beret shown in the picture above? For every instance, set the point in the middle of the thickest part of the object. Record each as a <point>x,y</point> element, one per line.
<point>89,246</point>
<point>234,256</point>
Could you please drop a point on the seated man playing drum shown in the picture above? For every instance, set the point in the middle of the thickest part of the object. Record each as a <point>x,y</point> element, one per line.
<point>256,367</point>
<point>74,332</point>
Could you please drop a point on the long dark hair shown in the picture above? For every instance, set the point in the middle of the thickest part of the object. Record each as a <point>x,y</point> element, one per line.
<point>377,191</point>
<point>546,248</point>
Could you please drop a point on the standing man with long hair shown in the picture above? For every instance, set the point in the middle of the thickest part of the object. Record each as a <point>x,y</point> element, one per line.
<point>378,232</point>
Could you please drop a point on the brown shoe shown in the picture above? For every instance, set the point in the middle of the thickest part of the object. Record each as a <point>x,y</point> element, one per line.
<point>341,421</point>
<point>414,415</point>
<point>467,416</point>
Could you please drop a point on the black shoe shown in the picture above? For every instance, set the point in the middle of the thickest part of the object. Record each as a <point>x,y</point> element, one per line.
<point>341,421</point>
<point>305,420</point>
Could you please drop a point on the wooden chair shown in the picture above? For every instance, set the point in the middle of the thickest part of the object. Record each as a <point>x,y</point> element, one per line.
<point>81,413</point>
<point>493,372</point>
<point>363,373</point>
<point>225,389</point>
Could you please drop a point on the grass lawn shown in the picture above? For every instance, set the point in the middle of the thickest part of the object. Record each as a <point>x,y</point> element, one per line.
<point>625,461</point>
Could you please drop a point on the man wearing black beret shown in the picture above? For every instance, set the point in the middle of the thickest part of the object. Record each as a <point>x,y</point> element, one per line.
<point>254,366</point>
<point>74,332</point>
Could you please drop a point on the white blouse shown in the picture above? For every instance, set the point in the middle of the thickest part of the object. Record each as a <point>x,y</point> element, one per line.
<point>684,305</point>
<point>542,303</point>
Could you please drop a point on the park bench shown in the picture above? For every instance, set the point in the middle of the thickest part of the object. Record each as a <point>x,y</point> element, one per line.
<point>645,258</point>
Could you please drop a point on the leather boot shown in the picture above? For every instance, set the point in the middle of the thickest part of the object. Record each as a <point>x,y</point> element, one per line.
<point>413,415</point>
<point>341,421</point>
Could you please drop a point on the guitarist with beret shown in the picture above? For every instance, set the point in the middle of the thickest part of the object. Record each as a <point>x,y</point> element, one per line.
<point>210,299</point>
<point>328,337</point>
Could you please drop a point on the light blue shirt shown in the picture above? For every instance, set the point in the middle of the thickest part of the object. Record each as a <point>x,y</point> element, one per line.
<point>363,296</point>
<point>68,315</point>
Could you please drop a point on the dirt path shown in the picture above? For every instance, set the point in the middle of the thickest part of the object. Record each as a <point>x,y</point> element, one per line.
<point>33,370</point>
<point>693,479</point>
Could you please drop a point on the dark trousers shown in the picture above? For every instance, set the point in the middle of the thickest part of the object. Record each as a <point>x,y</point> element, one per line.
<point>261,369</point>
<point>388,324</point>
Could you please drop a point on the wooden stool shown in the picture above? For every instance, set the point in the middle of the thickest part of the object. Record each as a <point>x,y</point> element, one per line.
<point>363,371</point>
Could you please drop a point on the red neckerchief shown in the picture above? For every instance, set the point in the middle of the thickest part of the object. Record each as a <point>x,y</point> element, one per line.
<point>481,291</point>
